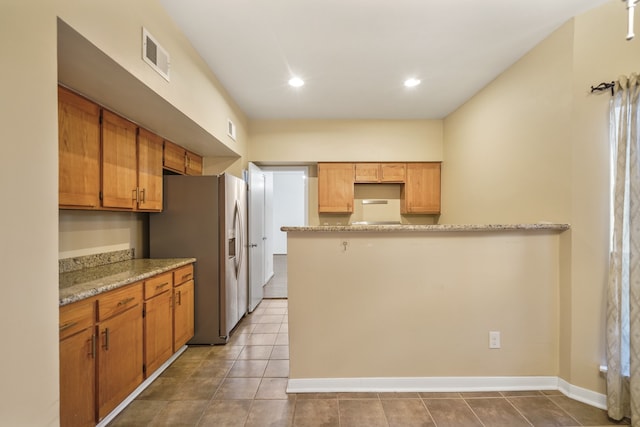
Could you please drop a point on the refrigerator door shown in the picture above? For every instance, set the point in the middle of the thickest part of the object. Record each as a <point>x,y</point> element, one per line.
<point>233,286</point>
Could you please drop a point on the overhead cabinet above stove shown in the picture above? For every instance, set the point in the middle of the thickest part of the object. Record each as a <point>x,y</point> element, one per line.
<point>419,181</point>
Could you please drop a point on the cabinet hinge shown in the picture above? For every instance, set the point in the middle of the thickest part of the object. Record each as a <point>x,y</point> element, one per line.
<point>144,369</point>
<point>100,195</point>
<point>144,312</point>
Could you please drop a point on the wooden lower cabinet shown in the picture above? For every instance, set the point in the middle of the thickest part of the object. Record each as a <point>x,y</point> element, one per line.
<point>78,379</point>
<point>158,336</point>
<point>107,342</point>
<point>183,326</point>
<point>119,358</point>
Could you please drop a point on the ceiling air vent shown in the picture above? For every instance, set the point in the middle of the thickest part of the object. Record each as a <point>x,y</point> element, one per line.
<point>231,129</point>
<point>154,54</point>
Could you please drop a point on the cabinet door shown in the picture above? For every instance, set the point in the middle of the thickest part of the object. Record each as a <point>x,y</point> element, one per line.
<point>194,164</point>
<point>119,358</point>
<point>149,171</point>
<point>335,187</point>
<point>78,151</point>
<point>158,337</point>
<point>182,314</point>
<point>421,192</point>
<point>78,379</point>
<point>393,172</point>
<point>119,163</point>
<point>367,172</point>
<point>174,157</point>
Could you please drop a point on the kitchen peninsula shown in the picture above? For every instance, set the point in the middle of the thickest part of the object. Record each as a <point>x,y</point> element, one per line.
<point>411,307</point>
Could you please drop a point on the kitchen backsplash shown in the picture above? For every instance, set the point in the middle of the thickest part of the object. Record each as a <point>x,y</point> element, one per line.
<point>77,263</point>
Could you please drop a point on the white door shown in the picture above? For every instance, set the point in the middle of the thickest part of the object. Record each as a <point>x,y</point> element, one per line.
<point>256,235</point>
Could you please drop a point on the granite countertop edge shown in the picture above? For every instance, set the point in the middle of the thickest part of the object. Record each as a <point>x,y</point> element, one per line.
<point>429,228</point>
<point>85,283</point>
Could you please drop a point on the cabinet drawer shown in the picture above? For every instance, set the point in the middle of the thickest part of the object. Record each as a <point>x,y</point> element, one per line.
<point>157,285</point>
<point>119,300</point>
<point>182,274</point>
<point>76,317</point>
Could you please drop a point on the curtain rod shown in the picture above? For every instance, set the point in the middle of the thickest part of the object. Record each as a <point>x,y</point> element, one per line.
<point>603,86</point>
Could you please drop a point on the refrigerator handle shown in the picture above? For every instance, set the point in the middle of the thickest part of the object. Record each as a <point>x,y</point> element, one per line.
<point>240,241</point>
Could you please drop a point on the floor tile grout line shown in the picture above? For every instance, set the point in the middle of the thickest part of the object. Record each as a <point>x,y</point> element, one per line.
<point>433,420</point>
<point>472,411</point>
<point>565,411</point>
<point>518,410</point>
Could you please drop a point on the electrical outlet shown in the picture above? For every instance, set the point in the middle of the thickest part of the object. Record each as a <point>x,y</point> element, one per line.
<point>494,339</point>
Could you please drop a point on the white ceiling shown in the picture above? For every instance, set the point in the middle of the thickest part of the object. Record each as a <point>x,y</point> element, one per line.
<point>355,54</point>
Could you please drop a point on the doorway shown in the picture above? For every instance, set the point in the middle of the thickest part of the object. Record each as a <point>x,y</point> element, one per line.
<point>289,208</point>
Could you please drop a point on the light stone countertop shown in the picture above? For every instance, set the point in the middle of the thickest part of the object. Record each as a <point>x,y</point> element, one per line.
<point>429,228</point>
<point>85,283</point>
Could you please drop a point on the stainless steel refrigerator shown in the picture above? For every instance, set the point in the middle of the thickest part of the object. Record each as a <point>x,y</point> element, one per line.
<point>205,217</point>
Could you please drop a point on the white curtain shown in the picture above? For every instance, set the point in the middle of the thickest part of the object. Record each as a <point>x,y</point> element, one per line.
<point>623,299</point>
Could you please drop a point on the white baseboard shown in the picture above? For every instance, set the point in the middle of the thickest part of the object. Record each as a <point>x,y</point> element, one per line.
<point>445,384</point>
<point>420,384</point>
<point>106,420</point>
<point>582,394</point>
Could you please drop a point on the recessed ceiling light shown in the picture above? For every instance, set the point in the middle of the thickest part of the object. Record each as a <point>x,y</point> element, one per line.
<point>412,82</point>
<point>296,82</point>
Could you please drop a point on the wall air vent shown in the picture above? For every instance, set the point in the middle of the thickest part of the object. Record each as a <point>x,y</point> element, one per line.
<point>231,129</point>
<point>155,55</point>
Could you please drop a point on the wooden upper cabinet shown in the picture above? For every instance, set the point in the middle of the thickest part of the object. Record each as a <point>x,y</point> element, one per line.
<point>78,151</point>
<point>149,171</point>
<point>180,160</point>
<point>119,162</point>
<point>393,172</point>
<point>421,191</point>
<point>194,164</point>
<point>380,172</point>
<point>174,157</point>
<point>367,172</point>
<point>335,187</point>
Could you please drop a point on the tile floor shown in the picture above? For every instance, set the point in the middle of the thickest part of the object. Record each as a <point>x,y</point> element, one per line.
<point>277,286</point>
<point>243,384</point>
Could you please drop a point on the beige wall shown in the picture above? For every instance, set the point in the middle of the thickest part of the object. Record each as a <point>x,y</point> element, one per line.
<point>87,233</point>
<point>300,141</point>
<point>533,146</point>
<point>507,151</point>
<point>601,53</point>
<point>29,226</point>
<point>422,304</point>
